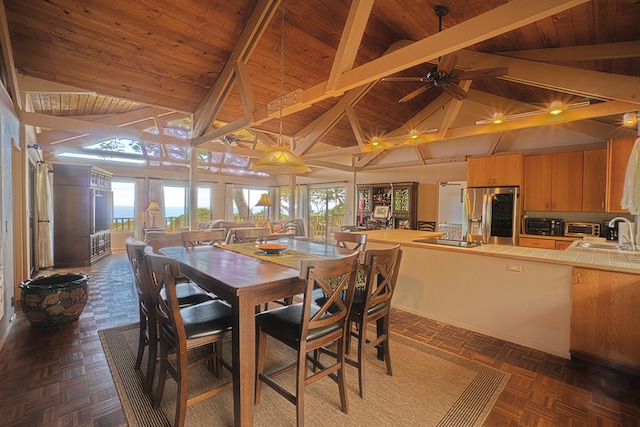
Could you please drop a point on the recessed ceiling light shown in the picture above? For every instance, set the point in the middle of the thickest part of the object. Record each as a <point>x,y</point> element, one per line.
<point>630,118</point>
<point>556,108</point>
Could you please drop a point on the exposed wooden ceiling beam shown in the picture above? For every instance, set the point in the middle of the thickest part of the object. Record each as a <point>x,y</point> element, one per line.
<point>498,21</point>
<point>452,110</point>
<point>629,49</point>
<point>349,42</point>
<point>587,83</point>
<point>208,108</point>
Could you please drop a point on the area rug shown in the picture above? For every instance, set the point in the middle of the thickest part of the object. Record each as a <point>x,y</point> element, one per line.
<point>429,387</point>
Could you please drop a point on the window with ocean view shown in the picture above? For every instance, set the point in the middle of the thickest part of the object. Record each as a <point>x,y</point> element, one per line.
<point>123,206</point>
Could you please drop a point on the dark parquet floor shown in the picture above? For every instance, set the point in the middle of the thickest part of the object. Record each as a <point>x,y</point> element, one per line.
<point>59,376</point>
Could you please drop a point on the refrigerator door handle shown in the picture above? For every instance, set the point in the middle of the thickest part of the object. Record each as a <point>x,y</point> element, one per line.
<point>486,217</point>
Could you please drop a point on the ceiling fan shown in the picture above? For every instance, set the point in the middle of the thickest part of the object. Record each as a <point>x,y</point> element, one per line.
<point>443,75</point>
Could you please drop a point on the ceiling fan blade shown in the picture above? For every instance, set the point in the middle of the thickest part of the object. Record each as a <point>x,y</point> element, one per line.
<point>455,91</point>
<point>403,79</point>
<point>447,63</point>
<point>482,73</point>
<point>415,93</point>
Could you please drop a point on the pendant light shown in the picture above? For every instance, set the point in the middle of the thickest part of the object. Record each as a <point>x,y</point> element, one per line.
<point>280,159</point>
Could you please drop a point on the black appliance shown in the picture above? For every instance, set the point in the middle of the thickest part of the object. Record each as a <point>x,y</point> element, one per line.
<point>609,233</point>
<point>544,226</point>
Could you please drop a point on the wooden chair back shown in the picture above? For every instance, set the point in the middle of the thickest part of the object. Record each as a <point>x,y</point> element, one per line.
<point>164,241</point>
<point>349,240</point>
<point>194,238</point>
<point>427,225</point>
<point>307,329</point>
<point>147,336</point>
<point>382,267</point>
<point>242,235</point>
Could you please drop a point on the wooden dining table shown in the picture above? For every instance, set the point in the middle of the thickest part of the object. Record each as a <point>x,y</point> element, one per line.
<point>246,281</point>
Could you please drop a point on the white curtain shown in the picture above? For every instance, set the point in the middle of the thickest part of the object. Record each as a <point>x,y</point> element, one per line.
<point>302,205</point>
<point>138,209</point>
<point>44,192</point>
<point>156,194</point>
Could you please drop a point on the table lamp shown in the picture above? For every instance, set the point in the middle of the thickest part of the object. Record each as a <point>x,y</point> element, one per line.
<point>153,209</point>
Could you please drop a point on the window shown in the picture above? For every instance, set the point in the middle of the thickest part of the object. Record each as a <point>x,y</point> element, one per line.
<point>123,206</point>
<point>326,212</point>
<point>175,207</point>
<point>204,204</point>
<point>244,204</point>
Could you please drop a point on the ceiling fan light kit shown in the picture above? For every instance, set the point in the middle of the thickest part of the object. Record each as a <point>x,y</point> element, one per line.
<point>444,75</point>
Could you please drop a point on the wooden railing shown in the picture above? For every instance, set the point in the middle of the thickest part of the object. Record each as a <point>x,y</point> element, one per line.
<point>122,224</point>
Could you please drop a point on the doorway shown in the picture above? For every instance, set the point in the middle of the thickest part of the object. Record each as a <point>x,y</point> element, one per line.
<point>326,212</point>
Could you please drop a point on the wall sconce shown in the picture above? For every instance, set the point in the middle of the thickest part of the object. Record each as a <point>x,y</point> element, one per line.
<point>630,118</point>
<point>153,209</point>
<point>556,108</point>
<point>497,118</point>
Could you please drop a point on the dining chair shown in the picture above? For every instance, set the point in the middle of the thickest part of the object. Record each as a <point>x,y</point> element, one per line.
<point>349,240</point>
<point>147,336</point>
<point>382,266</point>
<point>306,327</point>
<point>193,238</point>
<point>188,292</point>
<point>194,333</point>
<point>248,234</point>
<point>427,225</point>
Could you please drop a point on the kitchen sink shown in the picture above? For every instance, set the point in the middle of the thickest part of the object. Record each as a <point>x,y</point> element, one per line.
<point>609,246</point>
<point>445,242</point>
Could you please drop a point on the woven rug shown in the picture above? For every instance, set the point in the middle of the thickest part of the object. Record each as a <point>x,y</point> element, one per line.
<point>429,387</point>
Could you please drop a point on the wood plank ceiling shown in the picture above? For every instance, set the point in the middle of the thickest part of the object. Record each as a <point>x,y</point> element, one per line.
<point>94,69</point>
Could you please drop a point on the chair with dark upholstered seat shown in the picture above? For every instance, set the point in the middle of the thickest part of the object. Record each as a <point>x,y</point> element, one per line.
<point>147,336</point>
<point>188,294</point>
<point>427,225</point>
<point>195,330</point>
<point>306,327</point>
<point>349,240</point>
<point>247,234</point>
<point>192,238</point>
<point>382,267</point>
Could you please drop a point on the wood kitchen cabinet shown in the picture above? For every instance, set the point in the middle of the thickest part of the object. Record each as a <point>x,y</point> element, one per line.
<point>605,317</point>
<point>553,182</point>
<point>594,174</point>
<point>544,242</point>
<point>618,151</point>
<point>490,171</point>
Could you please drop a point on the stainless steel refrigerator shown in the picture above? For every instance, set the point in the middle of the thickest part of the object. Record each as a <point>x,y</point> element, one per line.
<point>491,215</point>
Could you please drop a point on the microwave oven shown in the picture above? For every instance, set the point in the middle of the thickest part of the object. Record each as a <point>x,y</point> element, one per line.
<point>544,226</point>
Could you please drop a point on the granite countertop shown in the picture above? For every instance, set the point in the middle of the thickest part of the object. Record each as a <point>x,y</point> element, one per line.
<point>600,259</point>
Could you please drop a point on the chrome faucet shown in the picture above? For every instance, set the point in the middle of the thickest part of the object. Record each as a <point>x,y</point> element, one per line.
<point>631,230</point>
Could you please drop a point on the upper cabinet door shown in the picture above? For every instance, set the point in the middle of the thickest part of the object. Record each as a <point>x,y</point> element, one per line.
<point>594,173</point>
<point>618,152</point>
<point>537,182</point>
<point>503,170</point>
<point>566,181</point>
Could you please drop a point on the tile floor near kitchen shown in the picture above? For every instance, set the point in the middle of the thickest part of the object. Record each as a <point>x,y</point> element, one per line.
<point>59,376</point>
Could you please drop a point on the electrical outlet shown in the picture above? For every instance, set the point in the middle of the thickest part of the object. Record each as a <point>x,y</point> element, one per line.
<point>514,267</point>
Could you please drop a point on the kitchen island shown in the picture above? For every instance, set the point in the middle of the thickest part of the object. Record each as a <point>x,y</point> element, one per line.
<point>522,295</point>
